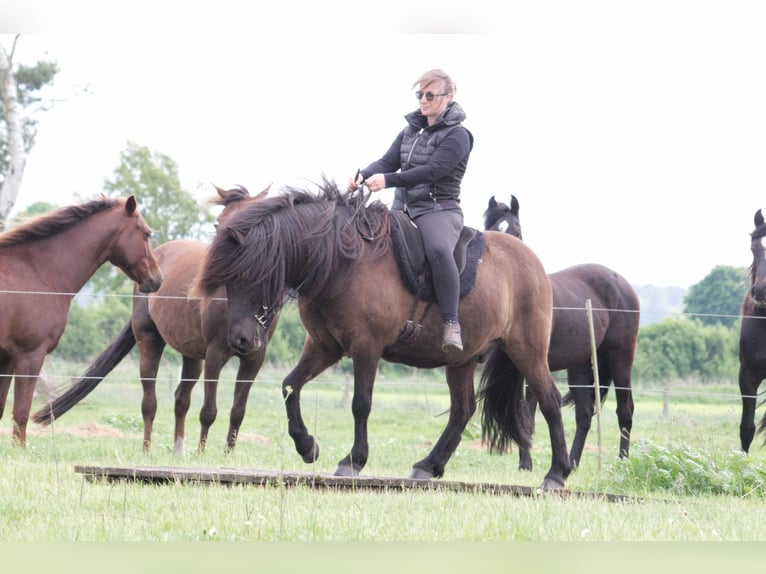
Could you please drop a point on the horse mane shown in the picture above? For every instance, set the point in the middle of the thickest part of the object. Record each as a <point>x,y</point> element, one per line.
<point>318,228</point>
<point>56,221</point>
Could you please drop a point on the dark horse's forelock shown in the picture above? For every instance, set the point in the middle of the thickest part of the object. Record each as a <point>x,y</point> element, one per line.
<point>265,237</point>
<point>56,221</point>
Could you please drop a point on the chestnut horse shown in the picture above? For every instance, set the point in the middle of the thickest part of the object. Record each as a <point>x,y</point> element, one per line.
<point>616,318</point>
<point>44,262</point>
<point>336,254</point>
<point>196,329</point>
<point>752,334</point>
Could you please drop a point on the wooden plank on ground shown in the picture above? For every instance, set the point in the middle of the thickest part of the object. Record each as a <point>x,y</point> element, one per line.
<point>229,476</point>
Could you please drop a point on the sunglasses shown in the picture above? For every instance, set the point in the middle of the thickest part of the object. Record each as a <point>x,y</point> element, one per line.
<point>429,95</point>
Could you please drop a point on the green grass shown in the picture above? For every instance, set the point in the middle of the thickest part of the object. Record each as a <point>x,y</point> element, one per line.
<point>684,463</point>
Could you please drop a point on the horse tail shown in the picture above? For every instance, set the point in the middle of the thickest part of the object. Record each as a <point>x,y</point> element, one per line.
<point>504,416</point>
<point>102,366</point>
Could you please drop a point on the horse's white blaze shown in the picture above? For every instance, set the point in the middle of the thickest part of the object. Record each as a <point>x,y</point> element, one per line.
<point>503,226</point>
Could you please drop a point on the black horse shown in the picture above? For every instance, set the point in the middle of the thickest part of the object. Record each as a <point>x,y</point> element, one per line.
<point>616,321</point>
<point>752,351</point>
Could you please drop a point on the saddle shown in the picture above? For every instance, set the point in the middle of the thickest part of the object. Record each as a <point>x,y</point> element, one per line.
<point>413,267</point>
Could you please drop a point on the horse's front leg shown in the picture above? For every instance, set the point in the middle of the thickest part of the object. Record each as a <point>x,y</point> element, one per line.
<point>462,407</point>
<point>314,359</point>
<point>365,369</point>
<point>27,372</point>
<point>748,388</point>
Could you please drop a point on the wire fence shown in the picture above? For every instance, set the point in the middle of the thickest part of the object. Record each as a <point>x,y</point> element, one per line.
<point>54,383</point>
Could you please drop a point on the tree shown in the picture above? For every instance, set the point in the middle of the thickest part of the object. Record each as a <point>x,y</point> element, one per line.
<point>718,297</point>
<point>682,348</point>
<point>169,210</point>
<point>153,178</point>
<point>20,97</point>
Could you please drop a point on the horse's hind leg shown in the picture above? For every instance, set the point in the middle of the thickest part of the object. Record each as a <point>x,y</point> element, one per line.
<point>190,372</point>
<point>313,360</point>
<point>623,393</point>
<point>150,348</point>
<point>581,391</point>
<point>534,368</point>
<point>525,458</point>
<point>462,408</point>
<point>248,369</point>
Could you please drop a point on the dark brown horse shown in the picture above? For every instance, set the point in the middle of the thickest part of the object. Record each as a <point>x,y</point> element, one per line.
<point>336,254</point>
<point>43,264</point>
<point>752,350</point>
<point>616,318</point>
<point>196,328</point>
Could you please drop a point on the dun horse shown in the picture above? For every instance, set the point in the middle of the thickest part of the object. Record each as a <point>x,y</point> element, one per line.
<point>196,329</point>
<point>752,351</point>
<point>616,321</point>
<point>43,264</point>
<point>337,255</point>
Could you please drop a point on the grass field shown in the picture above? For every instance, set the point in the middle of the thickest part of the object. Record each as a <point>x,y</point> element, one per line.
<point>42,499</point>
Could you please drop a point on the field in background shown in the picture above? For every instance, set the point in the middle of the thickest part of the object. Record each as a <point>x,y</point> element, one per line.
<point>42,499</point>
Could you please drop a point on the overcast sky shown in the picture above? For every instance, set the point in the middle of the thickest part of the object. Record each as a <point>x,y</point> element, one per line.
<point>632,133</point>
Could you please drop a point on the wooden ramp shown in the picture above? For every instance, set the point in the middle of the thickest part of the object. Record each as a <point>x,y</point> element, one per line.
<point>229,476</point>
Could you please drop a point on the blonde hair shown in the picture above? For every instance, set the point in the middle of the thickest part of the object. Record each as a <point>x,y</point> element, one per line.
<point>437,75</point>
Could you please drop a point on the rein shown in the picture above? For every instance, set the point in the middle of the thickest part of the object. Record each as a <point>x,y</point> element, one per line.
<point>361,203</point>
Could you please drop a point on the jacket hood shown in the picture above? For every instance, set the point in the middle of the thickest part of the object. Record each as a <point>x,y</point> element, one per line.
<point>452,116</point>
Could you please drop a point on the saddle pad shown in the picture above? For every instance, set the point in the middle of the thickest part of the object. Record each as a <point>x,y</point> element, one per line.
<point>413,268</point>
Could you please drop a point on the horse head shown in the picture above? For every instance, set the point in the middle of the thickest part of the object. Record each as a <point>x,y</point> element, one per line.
<point>131,250</point>
<point>758,268</point>
<point>500,217</point>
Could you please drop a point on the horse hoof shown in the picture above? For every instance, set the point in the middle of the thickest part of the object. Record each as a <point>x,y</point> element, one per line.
<point>420,474</point>
<point>550,484</point>
<point>312,455</point>
<point>345,470</point>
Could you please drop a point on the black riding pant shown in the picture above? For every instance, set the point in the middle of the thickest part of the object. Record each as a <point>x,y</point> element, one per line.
<point>440,231</point>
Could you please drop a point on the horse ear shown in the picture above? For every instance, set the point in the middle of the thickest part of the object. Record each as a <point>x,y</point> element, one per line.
<point>514,205</point>
<point>758,218</point>
<point>221,192</point>
<point>264,193</point>
<point>236,235</point>
<point>130,204</point>
<point>492,202</point>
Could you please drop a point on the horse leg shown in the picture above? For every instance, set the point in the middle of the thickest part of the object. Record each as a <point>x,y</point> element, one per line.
<point>624,396</point>
<point>248,369</point>
<point>462,408</point>
<point>6,374</point>
<point>365,369</point>
<point>525,458</point>
<point>581,391</point>
<point>314,359</point>
<point>150,348</point>
<point>190,371</point>
<point>27,372</point>
<point>748,388</point>
<point>540,381</point>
